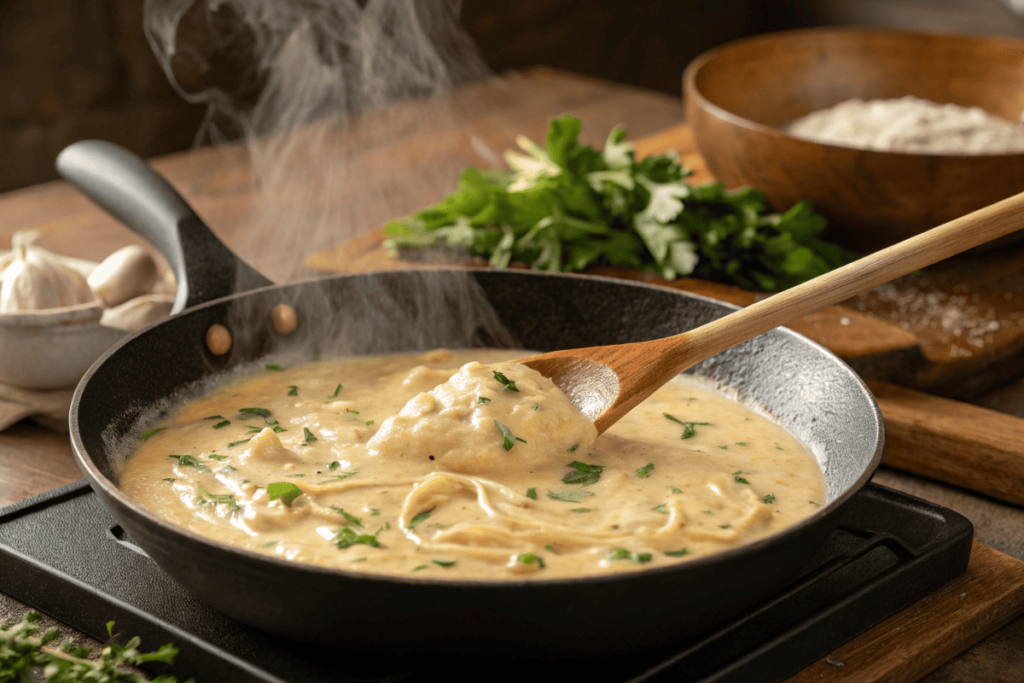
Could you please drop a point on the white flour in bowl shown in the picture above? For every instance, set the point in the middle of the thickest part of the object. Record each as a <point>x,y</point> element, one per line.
<point>911,124</point>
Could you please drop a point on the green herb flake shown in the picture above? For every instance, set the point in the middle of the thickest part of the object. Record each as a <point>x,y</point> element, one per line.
<point>374,512</point>
<point>269,544</point>
<point>530,558</point>
<point>293,390</point>
<point>308,435</point>
<point>249,412</point>
<point>741,480</point>
<point>286,491</point>
<point>769,499</point>
<point>170,479</point>
<point>660,508</point>
<point>151,432</point>
<point>678,553</point>
<point>444,563</point>
<point>215,456</point>
<point>221,421</point>
<point>623,554</point>
<point>349,410</point>
<point>190,461</point>
<point>676,489</point>
<point>645,471</point>
<point>345,537</point>
<point>580,510</point>
<point>508,439</point>
<point>338,477</point>
<point>814,504</point>
<point>422,566</point>
<point>583,474</point>
<point>483,399</point>
<point>509,384</point>
<point>724,526</point>
<point>218,499</point>
<point>228,469</point>
<point>351,519</point>
<point>689,428</point>
<point>275,367</point>
<point>236,443</point>
<point>423,516</point>
<point>535,406</point>
<point>531,493</point>
<point>359,559</point>
<point>337,390</point>
<point>569,496</point>
<point>741,443</point>
<point>369,422</point>
<point>572,449</point>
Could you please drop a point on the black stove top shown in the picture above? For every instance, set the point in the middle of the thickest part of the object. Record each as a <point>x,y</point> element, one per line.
<point>64,555</point>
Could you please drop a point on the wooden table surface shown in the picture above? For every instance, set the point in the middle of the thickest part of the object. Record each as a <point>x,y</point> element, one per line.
<point>223,186</point>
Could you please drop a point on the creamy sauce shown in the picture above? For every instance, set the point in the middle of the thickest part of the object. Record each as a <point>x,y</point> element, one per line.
<point>383,465</point>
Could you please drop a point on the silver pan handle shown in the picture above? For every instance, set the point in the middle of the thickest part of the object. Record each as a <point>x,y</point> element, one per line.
<point>131,191</point>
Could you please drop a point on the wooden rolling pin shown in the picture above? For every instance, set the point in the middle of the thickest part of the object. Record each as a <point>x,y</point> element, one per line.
<point>957,443</point>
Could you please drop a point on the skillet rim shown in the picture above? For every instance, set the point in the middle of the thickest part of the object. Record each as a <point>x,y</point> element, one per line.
<point>111,492</point>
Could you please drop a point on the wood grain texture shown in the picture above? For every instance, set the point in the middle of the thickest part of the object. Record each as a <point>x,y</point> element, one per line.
<point>738,96</point>
<point>954,442</point>
<point>914,642</point>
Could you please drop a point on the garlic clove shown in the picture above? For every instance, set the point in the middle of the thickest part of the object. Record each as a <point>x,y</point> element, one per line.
<point>127,273</point>
<point>136,313</point>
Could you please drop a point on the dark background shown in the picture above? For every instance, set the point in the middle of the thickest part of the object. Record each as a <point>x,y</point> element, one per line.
<point>72,69</point>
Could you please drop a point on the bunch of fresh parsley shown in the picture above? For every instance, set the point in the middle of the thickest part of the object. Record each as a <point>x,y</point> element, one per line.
<point>23,649</point>
<point>570,206</point>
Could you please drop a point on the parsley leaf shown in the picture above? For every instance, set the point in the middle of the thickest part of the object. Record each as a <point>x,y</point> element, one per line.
<point>583,474</point>
<point>285,490</point>
<point>420,518</point>
<point>309,435</point>
<point>345,537</point>
<point>508,439</point>
<point>352,519</point>
<point>293,390</point>
<point>769,499</point>
<point>222,422</point>
<point>678,553</point>
<point>509,384</point>
<point>248,412</point>
<point>531,493</point>
<point>190,461</point>
<point>151,432</point>
<point>218,499</point>
<point>645,471</point>
<point>569,496</point>
<point>530,558</point>
<point>689,428</point>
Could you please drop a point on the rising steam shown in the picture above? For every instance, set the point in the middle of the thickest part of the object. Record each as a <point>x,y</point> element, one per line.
<point>345,108</point>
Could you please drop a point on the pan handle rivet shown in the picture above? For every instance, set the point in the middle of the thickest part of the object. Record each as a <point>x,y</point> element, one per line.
<point>218,340</point>
<point>284,318</point>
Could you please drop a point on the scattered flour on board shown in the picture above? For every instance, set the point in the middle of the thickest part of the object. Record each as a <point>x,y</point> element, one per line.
<point>911,124</point>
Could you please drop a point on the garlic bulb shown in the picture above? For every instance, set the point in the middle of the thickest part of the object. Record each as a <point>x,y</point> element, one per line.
<point>127,273</point>
<point>32,279</point>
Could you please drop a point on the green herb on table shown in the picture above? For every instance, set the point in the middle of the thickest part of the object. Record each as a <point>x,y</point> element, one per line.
<point>689,428</point>
<point>645,471</point>
<point>286,491</point>
<point>583,474</point>
<point>24,650</point>
<point>568,206</point>
<point>569,496</point>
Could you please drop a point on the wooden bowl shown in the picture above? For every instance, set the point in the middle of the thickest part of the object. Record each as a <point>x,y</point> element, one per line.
<point>739,95</point>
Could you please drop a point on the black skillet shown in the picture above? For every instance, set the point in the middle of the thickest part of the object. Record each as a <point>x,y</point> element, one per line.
<point>810,391</point>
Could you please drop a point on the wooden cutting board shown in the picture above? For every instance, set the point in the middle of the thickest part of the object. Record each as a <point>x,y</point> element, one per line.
<point>917,640</point>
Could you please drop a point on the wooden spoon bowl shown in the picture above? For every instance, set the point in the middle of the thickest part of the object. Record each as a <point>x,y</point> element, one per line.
<point>738,97</point>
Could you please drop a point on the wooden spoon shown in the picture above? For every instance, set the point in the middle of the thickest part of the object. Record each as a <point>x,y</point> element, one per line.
<point>606,382</point>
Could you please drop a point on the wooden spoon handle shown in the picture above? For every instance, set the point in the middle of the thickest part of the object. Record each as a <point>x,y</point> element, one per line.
<point>838,285</point>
